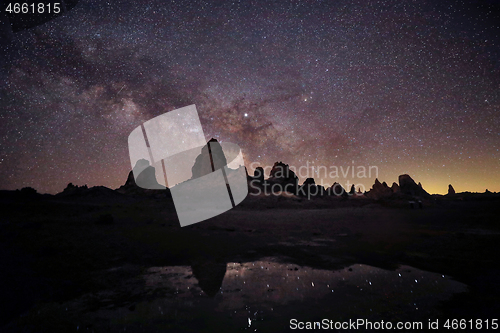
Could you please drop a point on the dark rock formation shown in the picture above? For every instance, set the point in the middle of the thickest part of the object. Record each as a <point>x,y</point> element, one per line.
<point>309,181</point>
<point>282,175</point>
<point>130,180</point>
<point>258,174</point>
<point>310,189</point>
<point>337,190</point>
<point>451,190</point>
<point>409,187</point>
<point>29,193</point>
<point>211,158</point>
<point>145,176</point>
<point>146,179</point>
<point>353,190</point>
<point>281,172</point>
<point>377,185</point>
<point>75,191</point>
<point>395,187</point>
<point>130,187</point>
<point>256,182</point>
<point>379,190</point>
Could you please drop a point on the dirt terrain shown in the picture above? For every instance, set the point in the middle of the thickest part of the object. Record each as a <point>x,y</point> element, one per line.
<point>89,263</point>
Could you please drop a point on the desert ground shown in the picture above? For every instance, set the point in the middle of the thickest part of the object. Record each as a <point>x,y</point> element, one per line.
<point>113,263</point>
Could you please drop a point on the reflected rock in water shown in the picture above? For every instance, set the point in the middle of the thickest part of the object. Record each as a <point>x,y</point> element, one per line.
<point>210,274</point>
<point>260,294</point>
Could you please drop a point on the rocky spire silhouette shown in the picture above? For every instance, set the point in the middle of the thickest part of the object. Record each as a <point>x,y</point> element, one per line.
<point>451,190</point>
<point>145,176</point>
<point>211,158</point>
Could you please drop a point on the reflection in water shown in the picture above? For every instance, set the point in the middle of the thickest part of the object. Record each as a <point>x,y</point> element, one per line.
<point>268,294</point>
<point>210,275</point>
<point>207,275</point>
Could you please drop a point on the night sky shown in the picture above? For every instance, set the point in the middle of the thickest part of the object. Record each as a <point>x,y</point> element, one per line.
<point>408,86</point>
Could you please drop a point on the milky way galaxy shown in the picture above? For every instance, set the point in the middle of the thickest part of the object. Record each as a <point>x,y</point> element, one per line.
<point>408,86</point>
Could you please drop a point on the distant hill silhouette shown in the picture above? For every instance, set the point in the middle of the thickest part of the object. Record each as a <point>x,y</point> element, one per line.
<point>281,177</point>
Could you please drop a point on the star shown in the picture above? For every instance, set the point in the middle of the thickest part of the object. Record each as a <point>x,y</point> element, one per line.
<point>415,90</point>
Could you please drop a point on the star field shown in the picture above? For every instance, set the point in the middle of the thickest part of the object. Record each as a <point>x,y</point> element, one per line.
<point>409,86</point>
